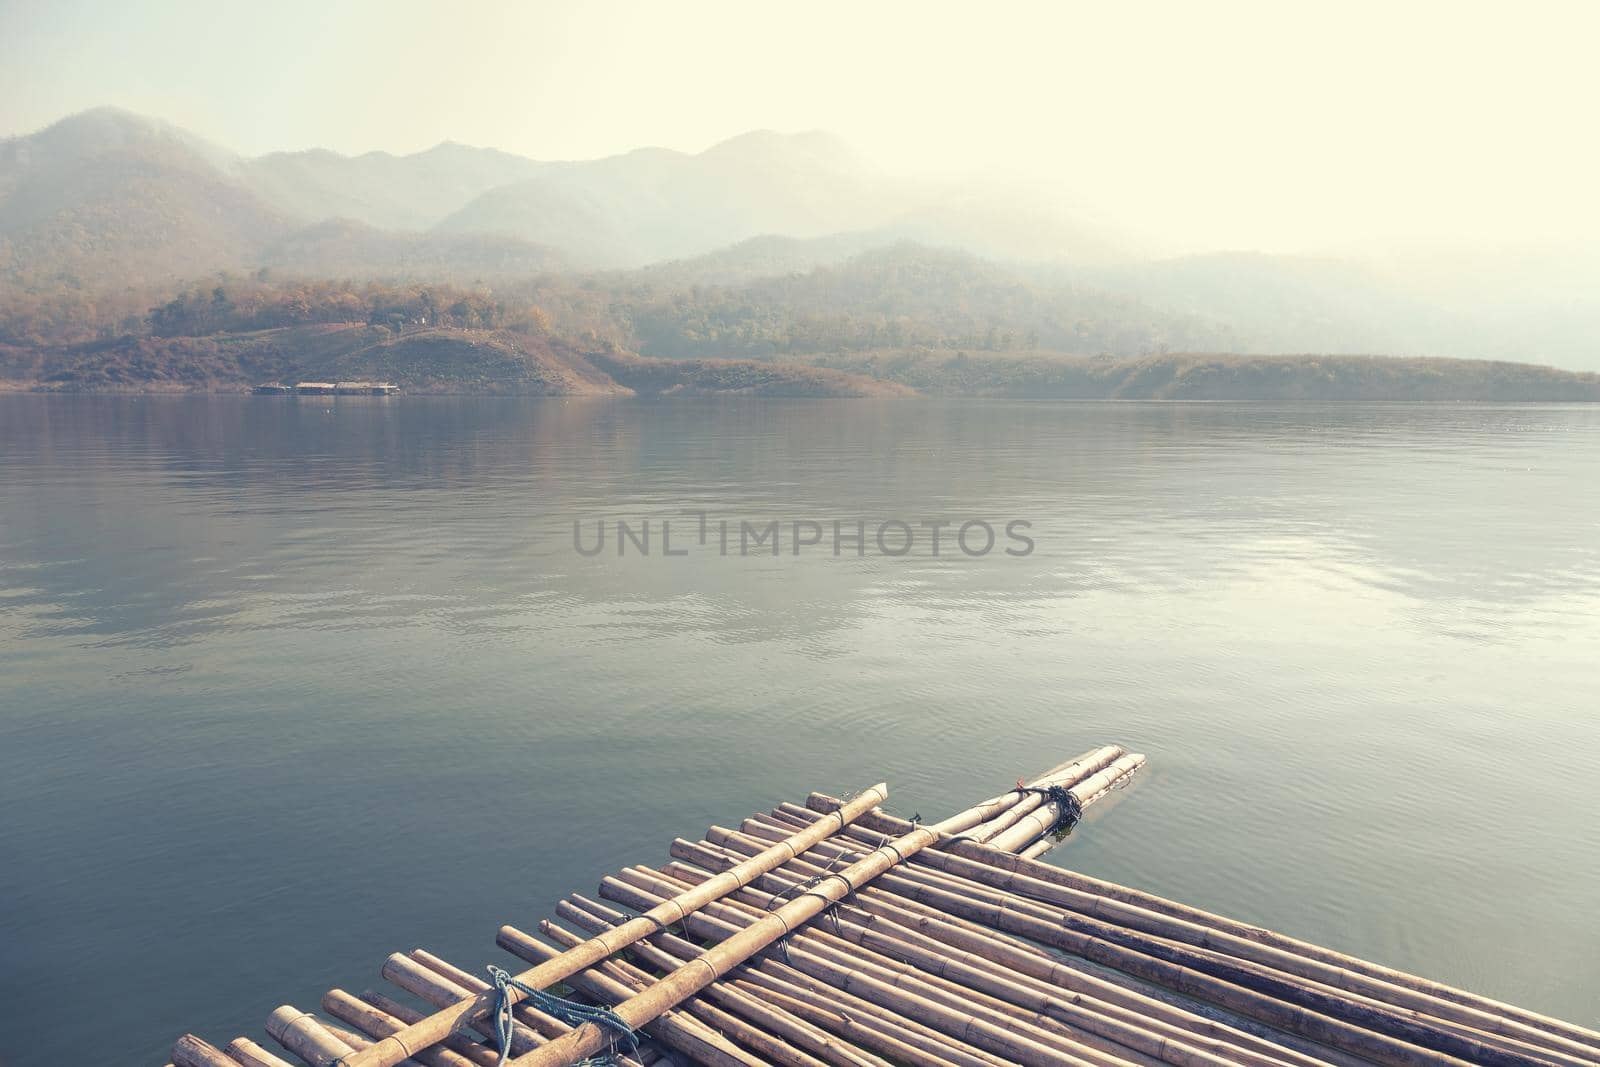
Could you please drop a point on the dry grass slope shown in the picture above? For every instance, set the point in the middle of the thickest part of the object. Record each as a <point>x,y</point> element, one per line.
<point>420,361</point>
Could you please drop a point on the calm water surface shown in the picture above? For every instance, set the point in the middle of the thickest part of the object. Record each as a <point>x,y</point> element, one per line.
<point>288,685</point>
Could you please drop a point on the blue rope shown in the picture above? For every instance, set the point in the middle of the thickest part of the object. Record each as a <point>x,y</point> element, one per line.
<point>568,1011</point>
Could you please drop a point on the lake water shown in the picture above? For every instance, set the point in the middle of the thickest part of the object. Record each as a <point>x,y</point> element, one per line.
<point>287,685</point>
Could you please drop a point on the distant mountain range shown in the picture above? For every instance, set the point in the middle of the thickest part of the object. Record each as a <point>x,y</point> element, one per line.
<point>107,206</point>
<point>107,193</point>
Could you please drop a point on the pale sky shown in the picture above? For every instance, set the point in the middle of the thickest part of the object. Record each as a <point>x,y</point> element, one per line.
<point>1280,126</point>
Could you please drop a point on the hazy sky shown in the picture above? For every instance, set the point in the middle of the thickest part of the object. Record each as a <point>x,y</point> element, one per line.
<point>1277,125</point>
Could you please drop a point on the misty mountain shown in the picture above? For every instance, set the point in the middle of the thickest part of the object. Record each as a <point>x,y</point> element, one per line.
<point>1286,303</point>
<point>108,199</point>
<point>344,248</point>
<point>105,210</point>
<point>411,192</point>
<point>1541,306</point>
<point>110,195</point>
<point>654,204</point>
<point>767,256</point>
<point>105,196</point>
<point>900,296</point>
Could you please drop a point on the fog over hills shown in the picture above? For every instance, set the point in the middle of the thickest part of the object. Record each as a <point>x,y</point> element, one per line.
<point>763,244</point>
<point>391,192</point>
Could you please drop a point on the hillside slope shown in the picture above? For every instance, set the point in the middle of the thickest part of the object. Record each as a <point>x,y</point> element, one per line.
<point>103,211</point>
<point>1210,377</point>
<point>345,248</point>
<point>654,204</point>
<point>903,295</point>
<point>106,196</point>
<point>420,361</point>
<point>507,362</point>
<point>409,192</point>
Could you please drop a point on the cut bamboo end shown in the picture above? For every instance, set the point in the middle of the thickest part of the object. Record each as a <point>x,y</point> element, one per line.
<point>302,1034</point>
<point>191,1051</point>
<point>250,1054</point>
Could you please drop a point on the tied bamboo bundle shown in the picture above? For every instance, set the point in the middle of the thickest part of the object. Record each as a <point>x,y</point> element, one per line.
<point>1036,793</point>
<point>1015,803</point>
<point>958,952</point>
<point>401,1045</point>
<point>1469,1014</point>
<point>1069,803</point>
<point>693,976</point>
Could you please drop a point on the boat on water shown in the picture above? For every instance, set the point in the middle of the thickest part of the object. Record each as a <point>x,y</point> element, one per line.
<point>358,388</point>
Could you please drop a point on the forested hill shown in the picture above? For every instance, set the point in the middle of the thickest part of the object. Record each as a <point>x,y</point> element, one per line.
<point>1211,377</point>
<point>893,322</point>
<point>908,295</point>
<point>767,245</point>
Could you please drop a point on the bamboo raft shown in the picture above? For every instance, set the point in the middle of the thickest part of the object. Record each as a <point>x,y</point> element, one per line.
<point>834,934</point>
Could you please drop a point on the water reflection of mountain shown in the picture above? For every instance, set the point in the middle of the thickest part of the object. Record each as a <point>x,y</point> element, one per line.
<point>156,518</point>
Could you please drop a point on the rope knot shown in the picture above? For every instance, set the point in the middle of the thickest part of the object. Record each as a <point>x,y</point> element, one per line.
<point>568,1011</point>
<point>1069,809</point>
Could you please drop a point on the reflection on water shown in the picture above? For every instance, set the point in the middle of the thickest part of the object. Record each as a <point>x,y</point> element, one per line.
<point>291,684</point>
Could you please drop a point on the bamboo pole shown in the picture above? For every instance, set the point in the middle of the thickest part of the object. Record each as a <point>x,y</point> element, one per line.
<point>937,975</point>
<point>1359,1041</point>
<point>1247,1001</point>
<point>543,1024</point>
<point>665,951</point>
<point>431,1030</point>
<point>1038,848</point>
<point>376,1024</point>
<point>1429,1032</point>
<point>1013,1040</point>
<point>761,826</point>
<point>983,1021</point>
<point>726,918</point>
<point>1142,1033</point>
<point>1412,1016</point>
<point>722,1022</point>
<point>1021,800</point>
<point>1085,935</point>
<point>192,1051</point>
<point>406,1014</point>
<point>1136,991</point>
<point>301,1033</point>
<point>251,1054</point>
<point>856,1027</point>
<point>1075,772</point>
<point>1107,918</point>
<point>884,823</point>
<point>1002,950</point>
<point>880,1026</point>
<point>1048,842</point>
<point>675,1029</point>
<point>960,1013</point>
<point>429,985</point>
<point>1048,815</point>
<point>747,1033</point>
<point>705,923</point>
<point>715,962</point>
